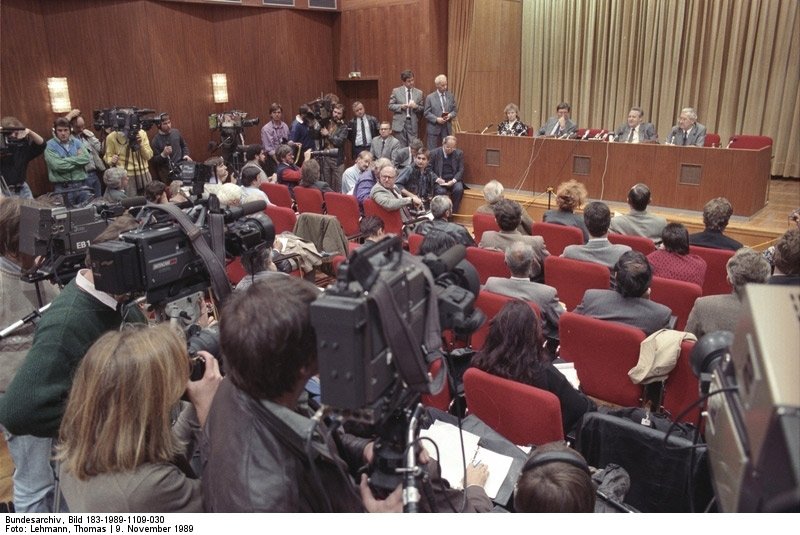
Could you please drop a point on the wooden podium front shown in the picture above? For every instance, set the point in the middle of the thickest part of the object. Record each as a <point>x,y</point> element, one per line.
<point>678,177</point>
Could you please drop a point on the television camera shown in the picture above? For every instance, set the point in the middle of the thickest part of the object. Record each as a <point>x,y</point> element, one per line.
<point>231,125</point>
<point>378,332</point>
<point>126,119</point>
<point>8,141</point>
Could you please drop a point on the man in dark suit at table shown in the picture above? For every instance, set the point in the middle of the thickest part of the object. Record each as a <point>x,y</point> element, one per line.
<point>362,128</point>
<point>688,131</point>
<point>440,109</point>
<point>560,125</point>
<point>406,104</point>
<point>630,302</point>
<point>636,130</point>
<point>447,163</point>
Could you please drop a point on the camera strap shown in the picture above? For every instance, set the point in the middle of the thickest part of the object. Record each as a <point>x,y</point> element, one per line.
<point>219,279</point>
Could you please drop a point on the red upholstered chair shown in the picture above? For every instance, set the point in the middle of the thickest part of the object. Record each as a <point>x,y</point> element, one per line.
<point>283,218</point>
<point>278,194</point>
<point>743,141</point>
<point>490,304</point>
<point>308,200</point>
<point>414,242</point>
<point>603,352</point>
<point>682,386</point>
<point>712,140</point>
<point>522,413</point>
<point>679,296</point>
<point>481,223</point>
<point>637,243</point>
<point>716,281</point>
<point>392,222</point>
<point>235,270</point>
<point>441,400</point>
<point>557,237</point>
<point>345,208</point>
<point>488,262</point>
<point>573,277</point>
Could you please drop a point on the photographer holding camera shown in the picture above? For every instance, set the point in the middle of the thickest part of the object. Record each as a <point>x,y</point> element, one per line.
<point>169,148</point>
<point>333,135</point>
<point>263,451</point>
<point>130,149</point>
<point>19,146</point>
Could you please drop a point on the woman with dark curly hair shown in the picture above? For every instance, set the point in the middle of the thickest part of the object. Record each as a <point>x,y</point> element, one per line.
<point>513,350</point>
<point>569,196</point>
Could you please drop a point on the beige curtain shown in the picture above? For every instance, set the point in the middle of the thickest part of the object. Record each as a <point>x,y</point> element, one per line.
<point>737,63</point>
<point>459,30</point>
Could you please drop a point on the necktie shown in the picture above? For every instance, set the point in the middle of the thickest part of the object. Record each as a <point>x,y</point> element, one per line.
<point>630,136</point>
<point>363,132</point>
<point>685,136</point>
<point>441,97</point>
<point>408,101</point>
<point>383,146</point>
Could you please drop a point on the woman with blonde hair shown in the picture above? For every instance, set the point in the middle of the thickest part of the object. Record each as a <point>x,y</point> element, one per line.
<point>123,436</point>
<point>512,126</point>
<point>569,196</point>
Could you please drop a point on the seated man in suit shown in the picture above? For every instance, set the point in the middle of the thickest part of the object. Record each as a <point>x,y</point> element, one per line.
<point>447,163</point>
<point>386,194</point>
<point>716,214</point>
<point>560,125</point>
<point>636,130</point>
<point>385,145</point>
<point>368,179</point>
<point>630,302</point>
<point>493,192</point>
<point>598,249</point>
<point>638,222</point>
<point>441,210</point>
<point>508,215</point>
<point>688,131</point>
<point>522,263</point>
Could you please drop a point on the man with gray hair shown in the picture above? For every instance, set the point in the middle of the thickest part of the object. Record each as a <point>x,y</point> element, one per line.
<point>441,210</point>
<point>493,192</point>
<point>716,214</point>
<point>116,179</point>
<point>440,110</point>
<point>688,131</point>
<point>721,312</point>
<point>636,130</point>
<point>524,266</point>
<point>638,222</point>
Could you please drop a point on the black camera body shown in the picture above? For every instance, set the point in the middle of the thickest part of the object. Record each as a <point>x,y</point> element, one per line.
<point>7,143</point>
<point>126,119</point>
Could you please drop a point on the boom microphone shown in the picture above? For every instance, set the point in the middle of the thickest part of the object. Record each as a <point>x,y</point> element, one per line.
<point>232,214</point>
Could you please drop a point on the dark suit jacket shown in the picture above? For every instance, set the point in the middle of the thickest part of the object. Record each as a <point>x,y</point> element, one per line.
<point>437,162</point>
<point>647,132</point>
<point>714,240</point>
<point>569,127</point>
<point>639,312</point>
<point>372,122</point>
<point>697,136</point>
<point>433,110</point>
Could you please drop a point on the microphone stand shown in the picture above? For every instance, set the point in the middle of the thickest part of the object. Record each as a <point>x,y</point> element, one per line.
<point>411,471</point>
<point>30,318</point>
<point>549,195</point>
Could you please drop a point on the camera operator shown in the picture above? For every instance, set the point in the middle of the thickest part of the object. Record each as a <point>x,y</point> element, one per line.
<point>66,159</point>
<point>30,454</point>
<point>259,266</point>
<point>264,453</point>
<point>168,147</point>
<point>301,132</point>
<point>333,135</point>
<point>23,146</point>
<point>96,165</point>
<point>34,401</point>
<point>132,157</point>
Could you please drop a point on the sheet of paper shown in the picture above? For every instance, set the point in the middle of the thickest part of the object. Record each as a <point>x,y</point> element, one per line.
<point>568,370</point>
<point>498,464</point>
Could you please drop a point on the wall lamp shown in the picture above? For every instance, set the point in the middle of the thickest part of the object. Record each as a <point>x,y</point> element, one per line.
<point>59,95</point>
<point>219,83</point>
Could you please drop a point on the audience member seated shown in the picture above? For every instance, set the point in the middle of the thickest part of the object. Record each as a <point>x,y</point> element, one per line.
<point>420,181</point>
<point>512,125</point>
<point>436,243</point>
<point>287,172</point>
<point>156,193</point>
<point>309,177</point>
<point>716,214</point>
<point>447,163</point>
<point>116,180</point>
<point>119,450</point>
<point>638,222</point>
<point>508,215</point>
<point>371,228</point>
<point>787,259</point>
<point>255,157</point>
<point>404,157</point>
<point>229,194</point>
<point>523,266</point>
<point>555,479</point>
<point>251,179</point>
<point>441,210</point>
<point>387,196</point>
<point>721,312</point>
<point>569,196</point>
<point>672,260</point>
<point>258,265</point>
<point>220,173</point>
<point>598,249</point>
<point>351,174</point>
<point>264,452</point>
<point>368,179</point>
<point>630,302</point>
<point>794,222</point>
<point>175,192</point>
<point>513,350</point>
<point>493,192</point>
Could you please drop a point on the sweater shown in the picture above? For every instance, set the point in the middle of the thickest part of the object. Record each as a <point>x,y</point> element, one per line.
<point>35,399</point>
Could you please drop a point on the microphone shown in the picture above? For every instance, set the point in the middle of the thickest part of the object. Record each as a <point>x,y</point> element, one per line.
<point>564,136</point>
<point>585,135</point>
<point>599,135</point>
<point>232,214</point>
<point>488,126</point>
<point>611,137</point>
<point>733,138</point>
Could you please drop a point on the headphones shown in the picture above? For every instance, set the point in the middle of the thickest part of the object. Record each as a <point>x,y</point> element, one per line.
<point>555,457</point>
